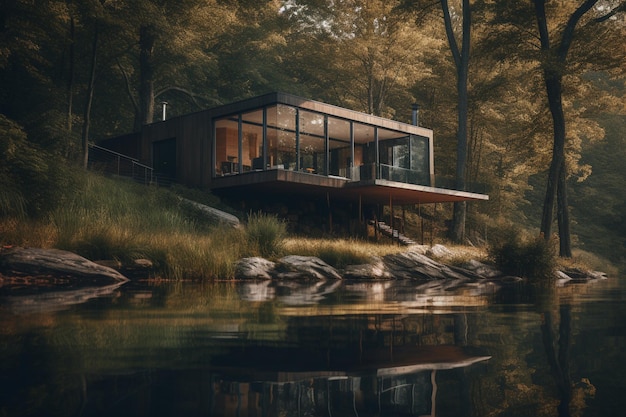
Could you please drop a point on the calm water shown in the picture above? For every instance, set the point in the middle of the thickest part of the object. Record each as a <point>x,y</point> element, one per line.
<point>315,349</point>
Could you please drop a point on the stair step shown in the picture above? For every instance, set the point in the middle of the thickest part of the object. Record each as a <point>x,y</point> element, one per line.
<point>387,230</point>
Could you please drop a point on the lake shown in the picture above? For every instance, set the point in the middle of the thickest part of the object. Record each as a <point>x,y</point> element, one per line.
<point>340,348</point>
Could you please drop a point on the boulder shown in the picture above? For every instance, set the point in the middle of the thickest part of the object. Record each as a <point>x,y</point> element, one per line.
<point>413,265</point>
<point>37,262</point>
<point>254,268</point>
<point>218,216</point>
<point>373,270</point>
<point>296,266</point>
<point>439,251</point>
<point>481,269</point>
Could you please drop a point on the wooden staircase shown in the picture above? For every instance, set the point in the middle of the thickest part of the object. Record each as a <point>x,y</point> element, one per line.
<point>392,233</point>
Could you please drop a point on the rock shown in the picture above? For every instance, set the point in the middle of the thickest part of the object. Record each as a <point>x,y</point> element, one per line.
<point>374,270</point>
<point>481,269</point>
<point>110,263</point>
<point>421,249</point>
<point>295,266</point>
<point>254,268</point>
<point>55,263</point>
<point>562,278</point>
<point>439,251</point>
<point>412,265</point>
<point>214,214</point>
<point>143,263</point>
<point>578,275</point>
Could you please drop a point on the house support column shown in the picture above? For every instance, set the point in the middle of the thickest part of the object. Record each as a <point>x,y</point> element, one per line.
<point>432,225</point>
<point>330,213</point>
<point>419,213</point>
<point>360,210</point>
<point>391,217</point>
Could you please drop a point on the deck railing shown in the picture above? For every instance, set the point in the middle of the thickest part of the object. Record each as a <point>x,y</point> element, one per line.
<point>114,163</point>
<point>387,172</point>
<point>390,173</point>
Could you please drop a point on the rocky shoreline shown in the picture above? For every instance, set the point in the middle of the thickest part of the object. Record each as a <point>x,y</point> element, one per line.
<point>53,268</point>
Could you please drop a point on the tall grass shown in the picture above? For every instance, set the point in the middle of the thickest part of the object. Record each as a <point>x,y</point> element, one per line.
<point>117,219</point>
<point>265,235</point>
<point>339,253</point>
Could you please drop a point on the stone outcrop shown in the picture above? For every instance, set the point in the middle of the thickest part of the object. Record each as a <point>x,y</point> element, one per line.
<point>295,266</point>
<point>289,267</point>
<point>39,262</point>
<point>254,268</point>
<point>374,270</point>
<point>217,216</point>
<point>53,267</point>
<point>412,265</point>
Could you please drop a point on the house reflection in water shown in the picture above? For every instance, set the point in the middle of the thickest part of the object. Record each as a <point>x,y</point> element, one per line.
<point>267,381</point>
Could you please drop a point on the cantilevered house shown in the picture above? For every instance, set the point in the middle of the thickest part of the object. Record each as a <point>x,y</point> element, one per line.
<point>299,157</point>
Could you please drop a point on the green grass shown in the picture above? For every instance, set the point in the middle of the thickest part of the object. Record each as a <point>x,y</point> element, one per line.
<point>116,219</point>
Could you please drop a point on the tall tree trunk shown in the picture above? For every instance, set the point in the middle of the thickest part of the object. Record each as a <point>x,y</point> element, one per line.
<point>565,240</point>
<point>460,208</point>
<point>461,60</point>
<point>553,88</point>
<point>88,102</point>
<point>70,78</point>
<point>147,39</point>
<point>552,72</point>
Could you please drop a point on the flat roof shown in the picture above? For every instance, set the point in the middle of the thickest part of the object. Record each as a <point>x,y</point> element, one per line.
<point>317,106</point>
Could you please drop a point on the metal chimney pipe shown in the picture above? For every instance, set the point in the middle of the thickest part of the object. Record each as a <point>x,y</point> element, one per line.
<point>164,103</point>
<point>415,114</point>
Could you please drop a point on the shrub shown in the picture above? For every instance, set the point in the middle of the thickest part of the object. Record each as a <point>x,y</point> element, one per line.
<point>529,257</point>
<point>265,234</point>
<point>34,182</point>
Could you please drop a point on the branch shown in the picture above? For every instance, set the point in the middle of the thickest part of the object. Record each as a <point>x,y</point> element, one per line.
<point>618,9</point>
<point>540,13</point>
<point>568,33</point>
<point>187,93</point>
<point>128,89</point>
<point>454,47</point>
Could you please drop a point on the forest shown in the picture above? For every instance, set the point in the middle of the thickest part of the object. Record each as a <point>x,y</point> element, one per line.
<point>527,98</point>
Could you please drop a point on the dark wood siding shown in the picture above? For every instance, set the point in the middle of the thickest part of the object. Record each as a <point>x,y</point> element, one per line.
<point>193,150</point>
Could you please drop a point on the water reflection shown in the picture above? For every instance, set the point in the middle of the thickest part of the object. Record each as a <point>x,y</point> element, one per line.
<point>50,301</point>
<point>319,349</point>
<point>267,381</point>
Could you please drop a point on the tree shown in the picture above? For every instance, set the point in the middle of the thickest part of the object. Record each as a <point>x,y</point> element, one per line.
<point>461,56</point>
<point>459,41</point>
<point>367,53</point>
<point>554,65</point>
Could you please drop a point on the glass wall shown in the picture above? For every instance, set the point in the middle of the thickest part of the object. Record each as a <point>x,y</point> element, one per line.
<point>290,138</point>
<point>364,152</point>
<point>312,138</point>
<point>281,136</point>
<point>340,147</point>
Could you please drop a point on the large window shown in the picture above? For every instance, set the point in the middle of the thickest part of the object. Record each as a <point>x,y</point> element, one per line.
<point>340,147</point>
<point>281,136</point>
<point>291,138</point>
<point>312,142</point>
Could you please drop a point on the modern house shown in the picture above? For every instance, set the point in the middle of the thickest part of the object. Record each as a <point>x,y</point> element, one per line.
<point>283,148</point>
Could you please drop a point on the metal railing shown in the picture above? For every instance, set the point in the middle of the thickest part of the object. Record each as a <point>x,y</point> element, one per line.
<point>388,172</point>
<point>114,163</point>
<point>408,176</point>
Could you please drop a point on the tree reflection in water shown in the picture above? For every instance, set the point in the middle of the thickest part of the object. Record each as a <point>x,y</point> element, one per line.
<point>559,363</point>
